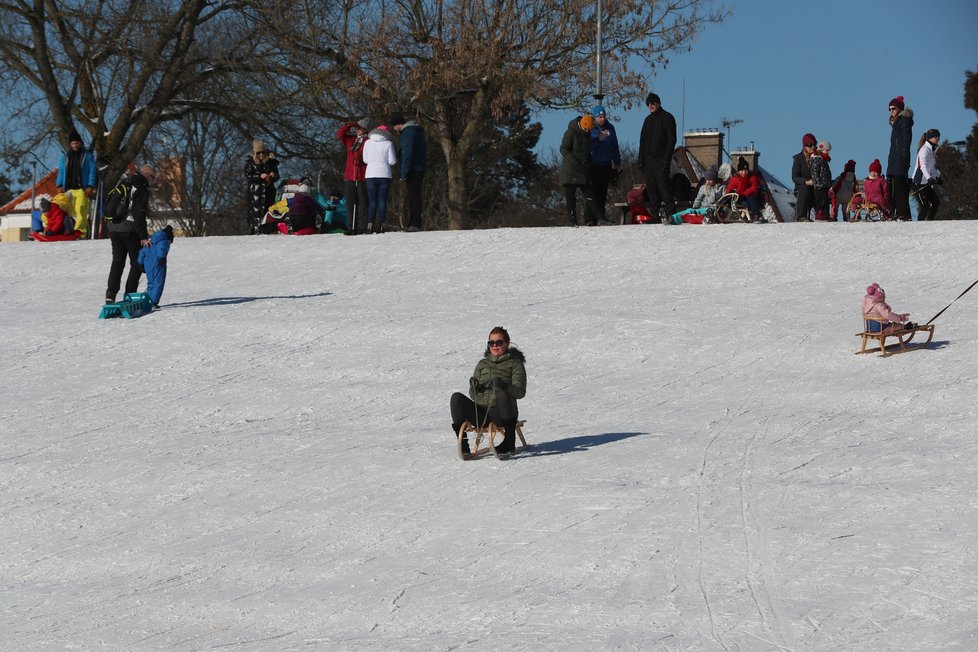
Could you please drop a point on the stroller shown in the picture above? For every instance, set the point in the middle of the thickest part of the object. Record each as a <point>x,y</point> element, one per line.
<point>294,212</point>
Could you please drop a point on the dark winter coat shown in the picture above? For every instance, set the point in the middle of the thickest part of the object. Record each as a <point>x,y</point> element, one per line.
<point>413,150</point>
<point>605,151</point>
<point>658,140</point>
<point>138,208</point>
<point>800,171</point>
<point>821,173</point>
<point>901,133</point>
<point>77,170</point>
<point>510,368</point>
<point>575,167</point>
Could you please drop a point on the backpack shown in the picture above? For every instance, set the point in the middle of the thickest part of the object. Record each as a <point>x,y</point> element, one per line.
<point>118,202</point>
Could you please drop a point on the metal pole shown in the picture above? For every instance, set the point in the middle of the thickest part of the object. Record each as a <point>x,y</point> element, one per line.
<point>33,185</point>
<point>599,93</point>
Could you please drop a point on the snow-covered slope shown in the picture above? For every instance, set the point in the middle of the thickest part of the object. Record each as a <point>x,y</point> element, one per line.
<point>267,464</point>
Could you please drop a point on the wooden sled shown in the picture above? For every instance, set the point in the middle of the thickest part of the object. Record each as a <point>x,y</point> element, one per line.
<point>859,209</point>
<point>486,433</point>
<point>902,336</point>
<point>728,211</point>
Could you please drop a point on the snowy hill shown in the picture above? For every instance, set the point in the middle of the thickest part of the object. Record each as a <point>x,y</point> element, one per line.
<point>267,464</point>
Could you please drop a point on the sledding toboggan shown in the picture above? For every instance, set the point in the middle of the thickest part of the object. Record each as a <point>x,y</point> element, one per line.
<point>486,434</point>
<point>876,329</point>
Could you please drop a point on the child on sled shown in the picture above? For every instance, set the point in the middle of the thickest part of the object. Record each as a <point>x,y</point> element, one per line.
<point>875,307</point>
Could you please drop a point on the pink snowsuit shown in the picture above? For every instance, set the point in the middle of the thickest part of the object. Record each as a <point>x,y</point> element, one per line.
<point>875,306</point>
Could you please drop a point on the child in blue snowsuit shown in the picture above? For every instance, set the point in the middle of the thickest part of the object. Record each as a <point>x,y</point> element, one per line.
<point>153,261</point>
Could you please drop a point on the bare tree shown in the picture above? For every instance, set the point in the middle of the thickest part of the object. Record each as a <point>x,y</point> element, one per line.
<point>459,64</point>
<point>118,68</point>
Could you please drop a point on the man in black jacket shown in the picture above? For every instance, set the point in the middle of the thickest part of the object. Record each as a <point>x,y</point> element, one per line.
<point>131,234</point>
<point>655,149</point>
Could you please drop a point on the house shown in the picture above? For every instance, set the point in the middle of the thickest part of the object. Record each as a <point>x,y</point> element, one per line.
<point>15,215</point>
<point>703,148</point>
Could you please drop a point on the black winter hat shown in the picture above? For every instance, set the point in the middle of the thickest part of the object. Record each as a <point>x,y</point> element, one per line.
<point>73,135</point>
<point>397,118</point>
<point>742,164</point>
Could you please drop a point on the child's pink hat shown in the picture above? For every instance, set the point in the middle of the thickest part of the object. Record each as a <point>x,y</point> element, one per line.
<point>874,288</point>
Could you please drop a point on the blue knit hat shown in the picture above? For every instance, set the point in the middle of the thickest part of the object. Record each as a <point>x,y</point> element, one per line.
<point>597,110</point>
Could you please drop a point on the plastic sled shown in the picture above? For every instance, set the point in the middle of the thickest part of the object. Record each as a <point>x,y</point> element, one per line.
<point>61,237</point>
<point>728,211</point>
<point>132,305</point>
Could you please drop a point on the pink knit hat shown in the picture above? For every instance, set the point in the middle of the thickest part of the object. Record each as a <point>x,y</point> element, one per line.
<point>874,289</point>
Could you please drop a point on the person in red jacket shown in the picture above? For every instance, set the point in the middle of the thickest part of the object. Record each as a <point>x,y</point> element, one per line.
<point>353,135</point>
<point>748,185</point>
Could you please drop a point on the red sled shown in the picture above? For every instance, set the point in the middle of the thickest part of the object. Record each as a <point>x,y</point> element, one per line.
<point>637,208</point>
<point>40,237</point>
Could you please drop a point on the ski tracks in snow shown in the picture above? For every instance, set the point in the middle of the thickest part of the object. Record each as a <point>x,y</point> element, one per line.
<point>730,524</point>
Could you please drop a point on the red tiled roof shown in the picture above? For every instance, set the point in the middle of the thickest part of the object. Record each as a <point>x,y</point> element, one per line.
<point>22,202</point>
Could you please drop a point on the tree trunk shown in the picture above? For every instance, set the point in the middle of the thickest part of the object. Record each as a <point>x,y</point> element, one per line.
<point>458,186</point>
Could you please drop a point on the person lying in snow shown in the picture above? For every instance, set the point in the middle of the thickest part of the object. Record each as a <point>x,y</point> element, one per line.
<point>875,307</point>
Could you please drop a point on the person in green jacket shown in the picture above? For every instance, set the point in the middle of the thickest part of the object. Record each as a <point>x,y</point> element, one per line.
<point>575,168</point>
<point>498,381</point>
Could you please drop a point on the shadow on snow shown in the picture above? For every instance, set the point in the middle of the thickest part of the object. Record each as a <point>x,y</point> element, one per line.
<point>227,301</point>
<point>577,444</point>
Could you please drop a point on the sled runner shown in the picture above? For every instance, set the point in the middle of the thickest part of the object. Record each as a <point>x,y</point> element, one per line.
<point>875,329</point>
<point>727,210</point>
<point>487,432</point>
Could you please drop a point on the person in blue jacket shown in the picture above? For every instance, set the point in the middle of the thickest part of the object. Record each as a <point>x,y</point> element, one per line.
<point>153,261</point>
<point>77,172</point>
<point>605,159</point>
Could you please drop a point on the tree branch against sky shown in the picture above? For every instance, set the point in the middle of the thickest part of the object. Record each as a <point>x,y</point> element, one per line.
<point>114,69</point>
<point>459,64</point>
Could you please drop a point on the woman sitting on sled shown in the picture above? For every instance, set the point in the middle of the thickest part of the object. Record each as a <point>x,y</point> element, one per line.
<point>879,316</point>
<point>498,381</point>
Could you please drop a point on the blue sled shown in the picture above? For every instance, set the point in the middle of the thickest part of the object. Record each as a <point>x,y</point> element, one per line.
<point>132,305</point>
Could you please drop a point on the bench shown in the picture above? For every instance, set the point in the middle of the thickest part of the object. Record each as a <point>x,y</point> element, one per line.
<point>487,433</point>
<point>875,329</point>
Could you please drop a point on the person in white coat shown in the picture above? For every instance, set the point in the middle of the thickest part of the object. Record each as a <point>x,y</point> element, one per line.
<point>379,156</point>
<point>926,175</point>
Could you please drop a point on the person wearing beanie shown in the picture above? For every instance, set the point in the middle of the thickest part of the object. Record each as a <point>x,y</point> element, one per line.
<point>818,163</point>
<point>605,159</point>
<point>876,194</point>
<point>77,172</point>
<point>874,306</point>
<point>926,175</point>
<point>575,168</point>
<point>261,171</point>
<point>413,155</point>
<point>898,161</point>
<point>843,189</point>
<point>353,135</point>
<point>801,174</point>
<point>657,144</point>
<point>749,187</point>
<point>131,234</point>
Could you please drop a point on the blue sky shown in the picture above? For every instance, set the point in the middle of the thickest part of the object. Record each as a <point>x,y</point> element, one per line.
<point>786,68</point>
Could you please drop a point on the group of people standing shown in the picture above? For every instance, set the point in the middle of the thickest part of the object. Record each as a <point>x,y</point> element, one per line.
<point>372,158</point>
<point>817,191</point>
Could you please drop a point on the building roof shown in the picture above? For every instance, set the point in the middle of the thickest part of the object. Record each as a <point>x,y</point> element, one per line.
<point>43,189</point>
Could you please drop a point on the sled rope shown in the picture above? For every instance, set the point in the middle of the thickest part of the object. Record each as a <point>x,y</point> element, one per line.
<point>949,305</point>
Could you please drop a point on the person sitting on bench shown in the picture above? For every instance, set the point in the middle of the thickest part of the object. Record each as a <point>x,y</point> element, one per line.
<point>876,308</point>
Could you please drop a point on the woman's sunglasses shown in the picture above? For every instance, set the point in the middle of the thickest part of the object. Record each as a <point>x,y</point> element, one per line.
<point>497,342</point>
